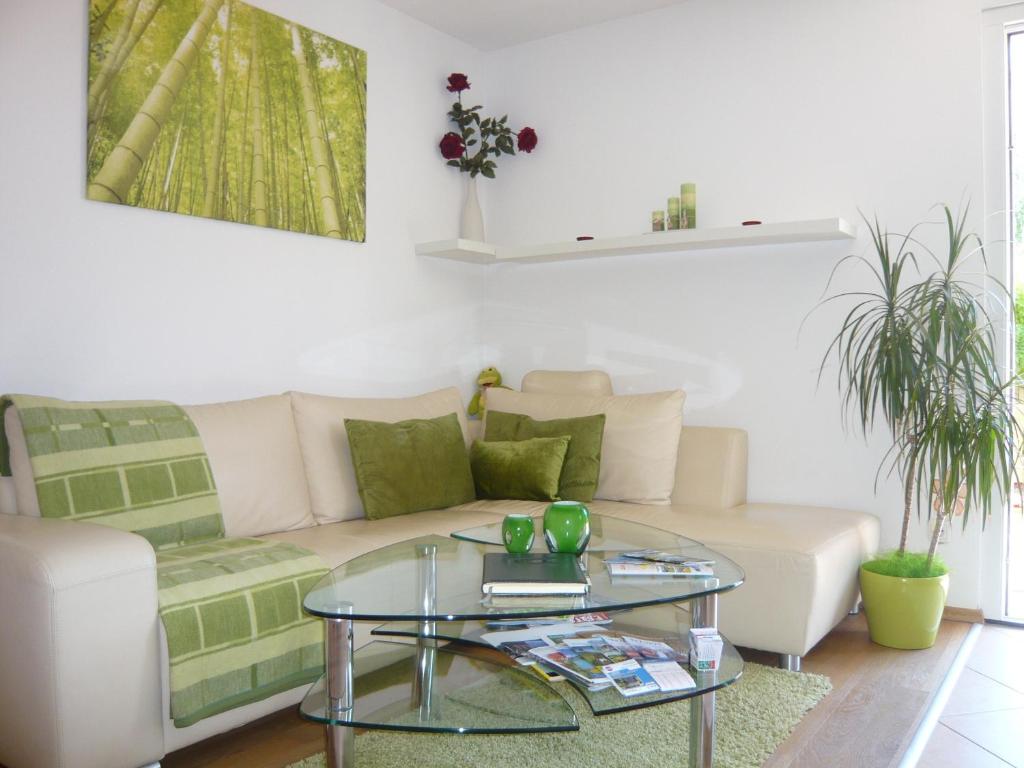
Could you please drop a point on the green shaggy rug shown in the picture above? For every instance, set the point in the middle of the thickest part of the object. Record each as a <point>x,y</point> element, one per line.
<point>754,716</point>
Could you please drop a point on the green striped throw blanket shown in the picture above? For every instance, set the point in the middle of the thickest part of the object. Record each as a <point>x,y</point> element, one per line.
<point>236,633</point>
<point>138,466</point>
<point>231,608</point>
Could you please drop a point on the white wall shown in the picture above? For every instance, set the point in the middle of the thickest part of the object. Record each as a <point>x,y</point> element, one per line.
<point>779,110</point>
<point>782,110</point>
<point>104,301</point>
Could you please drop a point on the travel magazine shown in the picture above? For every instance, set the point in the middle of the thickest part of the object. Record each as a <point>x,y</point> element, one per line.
<point>630,566</point>
<point>596,656</point>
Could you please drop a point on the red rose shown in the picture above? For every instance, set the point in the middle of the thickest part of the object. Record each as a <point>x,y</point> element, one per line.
<point>527,140</point>
<point>452,146</point>
<point>458,82</point>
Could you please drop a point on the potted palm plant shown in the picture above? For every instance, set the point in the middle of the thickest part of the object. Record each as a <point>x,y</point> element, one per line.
<point>917,352</point>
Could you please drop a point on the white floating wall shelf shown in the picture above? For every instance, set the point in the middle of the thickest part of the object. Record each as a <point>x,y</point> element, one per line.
<point>781,233</point>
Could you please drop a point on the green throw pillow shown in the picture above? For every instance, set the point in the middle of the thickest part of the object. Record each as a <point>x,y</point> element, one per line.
<point>583,460</point>
<point>410,466</point>
<point>520,469</point>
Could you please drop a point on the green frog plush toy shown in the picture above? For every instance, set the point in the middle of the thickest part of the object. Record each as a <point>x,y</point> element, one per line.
<point>489,377</point>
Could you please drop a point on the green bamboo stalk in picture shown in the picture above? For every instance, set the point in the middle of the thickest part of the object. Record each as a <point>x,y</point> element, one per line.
<point>219,109</point>
<point>657,221</point>
<point>673,213</point>
<point>688,206</point>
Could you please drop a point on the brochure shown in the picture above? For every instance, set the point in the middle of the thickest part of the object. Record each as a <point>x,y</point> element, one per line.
<point>582,652</point>
<point>594,648</point>
<point>630,678</point>
<point>651,649</point>
<point>585,667</point>
<point>634,567</point>
<point>519,642</point>
<point>669,675</point>
<point>575,618</point>
<point>666,557</point>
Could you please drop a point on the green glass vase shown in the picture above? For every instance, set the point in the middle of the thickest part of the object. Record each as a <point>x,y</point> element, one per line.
<point>567,527</point>
<point>517,533</point>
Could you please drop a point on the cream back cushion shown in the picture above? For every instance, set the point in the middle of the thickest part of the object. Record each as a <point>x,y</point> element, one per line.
<point>641,436</point>
<point>256,462</point>
<point>320,421</point>
<point>568,383</point>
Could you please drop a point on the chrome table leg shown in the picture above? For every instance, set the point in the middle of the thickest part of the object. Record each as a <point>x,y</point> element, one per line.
<point>703,613</point>
<point>426,644</point>
<point>340,741</point>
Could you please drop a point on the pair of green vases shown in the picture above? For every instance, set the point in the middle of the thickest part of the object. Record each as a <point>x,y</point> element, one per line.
<point>566,529</point>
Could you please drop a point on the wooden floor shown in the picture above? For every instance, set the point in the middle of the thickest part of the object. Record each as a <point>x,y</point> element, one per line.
<point>878,697</point>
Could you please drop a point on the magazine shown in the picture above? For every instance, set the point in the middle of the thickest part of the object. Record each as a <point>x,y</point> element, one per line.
<point>666,557</point>
<point>594,647</point>
<point>669,676</point>
<point>626,566</point>
<point>581,652</point>
<point>519,642</point>
<point>651,649</point>
<point>519,650</point>
<point>576,618</point>
<point>630,678</point>
<point>583,666</point>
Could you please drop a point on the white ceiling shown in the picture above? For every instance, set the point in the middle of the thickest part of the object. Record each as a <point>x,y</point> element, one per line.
<point>492,24</point>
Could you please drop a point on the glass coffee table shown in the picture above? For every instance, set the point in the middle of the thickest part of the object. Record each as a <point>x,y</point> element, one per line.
<point>429,671</point>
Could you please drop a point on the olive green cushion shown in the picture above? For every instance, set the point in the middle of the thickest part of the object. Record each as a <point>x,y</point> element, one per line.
<point>409,466</point>
<point>582,461</point>
<point>518,469</point>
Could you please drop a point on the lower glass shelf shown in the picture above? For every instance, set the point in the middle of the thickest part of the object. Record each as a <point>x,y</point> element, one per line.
<point>409,687</point>
<point>667,623</point>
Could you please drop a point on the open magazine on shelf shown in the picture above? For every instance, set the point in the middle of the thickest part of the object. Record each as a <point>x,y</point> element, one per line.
<point>597,656</point>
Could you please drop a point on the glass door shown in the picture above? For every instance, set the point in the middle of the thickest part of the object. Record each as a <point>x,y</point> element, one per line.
<point>1014,571</point>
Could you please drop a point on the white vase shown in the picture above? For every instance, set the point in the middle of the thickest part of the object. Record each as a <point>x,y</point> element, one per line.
<point>472,216</point>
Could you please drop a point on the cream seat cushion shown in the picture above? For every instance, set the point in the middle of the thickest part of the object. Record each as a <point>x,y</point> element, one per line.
<point>256,463</point>
<point>801,565</point>
<point>337,543</point>
<point>320,422</point>
<point>641,436</point>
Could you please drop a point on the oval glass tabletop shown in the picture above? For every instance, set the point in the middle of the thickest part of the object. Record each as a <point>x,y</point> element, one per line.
<point>434,578</point>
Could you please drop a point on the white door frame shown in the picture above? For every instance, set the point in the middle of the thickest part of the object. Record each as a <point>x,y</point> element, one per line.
<point>997,23</point>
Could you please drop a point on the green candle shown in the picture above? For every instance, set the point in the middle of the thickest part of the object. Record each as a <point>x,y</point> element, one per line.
<point>657,221</point>
<point>688,198</point>
<point>673,213</point>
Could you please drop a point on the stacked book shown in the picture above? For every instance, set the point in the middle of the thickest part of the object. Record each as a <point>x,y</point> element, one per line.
<point>596,657</point>
<point>533,574</point>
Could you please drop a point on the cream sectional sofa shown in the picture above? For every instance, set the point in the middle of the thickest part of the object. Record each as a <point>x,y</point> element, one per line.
<point>83,660</point>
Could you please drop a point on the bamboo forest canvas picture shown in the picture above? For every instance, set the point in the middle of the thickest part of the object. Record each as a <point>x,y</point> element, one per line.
<point>216,108</point>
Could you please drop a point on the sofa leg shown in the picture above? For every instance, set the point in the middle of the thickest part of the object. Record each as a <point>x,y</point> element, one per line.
<point>789,661</point>
<point>856,608</point>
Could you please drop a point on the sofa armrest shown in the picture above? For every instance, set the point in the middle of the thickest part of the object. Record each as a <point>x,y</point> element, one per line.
<point>711,470</point>
<point>79,646</point>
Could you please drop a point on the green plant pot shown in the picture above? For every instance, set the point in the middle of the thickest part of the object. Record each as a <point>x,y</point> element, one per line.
<point>903,613</point>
